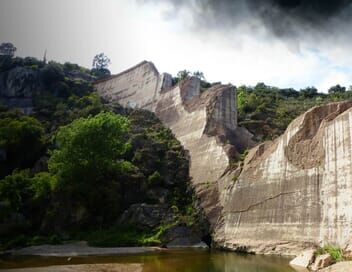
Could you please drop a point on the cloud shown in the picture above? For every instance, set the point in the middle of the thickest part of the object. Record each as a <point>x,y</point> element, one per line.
<point>315,37</point>
<point>285,19</point>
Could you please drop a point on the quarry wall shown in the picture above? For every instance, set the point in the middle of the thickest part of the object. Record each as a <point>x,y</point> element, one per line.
<point>137,87</point>
<point>296,190</point>
<point>289,194</point>
<point>202,122</point>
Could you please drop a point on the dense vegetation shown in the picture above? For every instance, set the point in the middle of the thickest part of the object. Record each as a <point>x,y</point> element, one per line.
<point>71,168</point>
<point>267,111</point>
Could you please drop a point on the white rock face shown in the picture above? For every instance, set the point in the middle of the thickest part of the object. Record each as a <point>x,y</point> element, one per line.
<point>205,124</point>
<point>137,87</point>
<point>297,188</point>
<point>291,194</point>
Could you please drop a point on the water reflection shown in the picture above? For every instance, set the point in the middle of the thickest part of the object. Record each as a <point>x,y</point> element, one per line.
<point>194,261</point>
<point>169,261</point>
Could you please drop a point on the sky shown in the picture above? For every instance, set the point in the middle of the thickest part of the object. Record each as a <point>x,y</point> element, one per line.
<point>177,35</point>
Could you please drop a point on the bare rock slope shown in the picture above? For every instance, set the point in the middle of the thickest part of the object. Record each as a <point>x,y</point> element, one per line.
<point>205,124</point>
<point>291,194</point>
<point>295,192</point>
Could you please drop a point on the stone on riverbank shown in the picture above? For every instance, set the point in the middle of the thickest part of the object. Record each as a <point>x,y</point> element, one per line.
<point>321,262</point>
<point>305,259</point>
<point>339,267</point>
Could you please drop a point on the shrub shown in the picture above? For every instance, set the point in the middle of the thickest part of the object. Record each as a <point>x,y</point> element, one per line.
<point>22,137</point>
<point>52,73</point>
<point>155,179</point>
<point>15,189</point>
<point>335,252</point>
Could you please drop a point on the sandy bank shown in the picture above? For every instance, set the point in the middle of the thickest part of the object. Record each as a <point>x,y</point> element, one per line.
<point>79,249</point>
<point>83,268</point>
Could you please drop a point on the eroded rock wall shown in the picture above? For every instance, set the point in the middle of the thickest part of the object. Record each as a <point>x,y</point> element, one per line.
<point>138,86</point>
<point>202,123</point>
<point>295,190</point>
<point>205,123</point>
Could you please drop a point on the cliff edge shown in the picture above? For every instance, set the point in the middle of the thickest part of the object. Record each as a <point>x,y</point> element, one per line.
<point>204,122</point>
<point>294,192</point>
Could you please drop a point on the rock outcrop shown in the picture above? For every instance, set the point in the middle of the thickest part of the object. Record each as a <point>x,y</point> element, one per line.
<point>205,124</point>
<point>289,195</point>
<point>296,190</point>
<point>17,87</point>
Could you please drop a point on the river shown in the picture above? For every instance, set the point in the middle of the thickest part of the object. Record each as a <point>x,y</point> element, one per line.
<point>166,261</point>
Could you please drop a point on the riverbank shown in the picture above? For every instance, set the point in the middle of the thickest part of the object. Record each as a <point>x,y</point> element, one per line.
<point>79,249</point>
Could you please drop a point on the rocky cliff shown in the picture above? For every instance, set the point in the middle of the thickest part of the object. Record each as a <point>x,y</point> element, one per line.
<point>289,194</point>
<point>205,124</point>
<point>296,191</point>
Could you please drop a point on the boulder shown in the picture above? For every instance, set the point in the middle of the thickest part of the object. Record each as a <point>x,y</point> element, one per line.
<point>339,267</point>
<point>144,215</point>
<point>321,262</point>
<point>305,259</point>
<point>182,236</point>
<point>21,82</point>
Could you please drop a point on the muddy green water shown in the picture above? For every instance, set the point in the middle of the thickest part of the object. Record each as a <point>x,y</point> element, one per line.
<point>168,261</point>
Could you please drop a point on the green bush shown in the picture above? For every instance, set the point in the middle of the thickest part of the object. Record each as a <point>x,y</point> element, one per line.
<point>155,179</point>
<point>42,184</point>
<point>336,253</point>
<point>52,73</point>
<point>15,190</point>
<point>22,138</point>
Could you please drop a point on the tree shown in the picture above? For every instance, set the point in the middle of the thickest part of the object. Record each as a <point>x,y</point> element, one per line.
<point>336,89</point>
<point>89,147</point>
<point>309,92</point>
<point>22,138</point>
<point>199,75</point>
<point>181,75</point>
<point>52,73</point>
<point>88,160</point>
<point>100,66</point>
<point>101,61</point>
<point>7,49</point>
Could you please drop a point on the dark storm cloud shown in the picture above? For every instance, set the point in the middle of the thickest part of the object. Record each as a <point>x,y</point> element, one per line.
<point>283,18</point>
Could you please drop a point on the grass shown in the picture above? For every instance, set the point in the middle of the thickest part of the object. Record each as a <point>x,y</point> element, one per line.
<point>112,237</point>
<point>335,252</point>
<point>124,236</point>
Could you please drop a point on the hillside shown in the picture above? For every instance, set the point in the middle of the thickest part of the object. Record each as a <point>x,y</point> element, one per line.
<point>72,165</point>
<point>122,175</point>
<point>267,111</point>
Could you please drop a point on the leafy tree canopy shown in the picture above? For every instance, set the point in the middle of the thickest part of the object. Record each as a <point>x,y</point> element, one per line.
<point>22,139</point>
<point>336,89</point>
<point>90,149</point>
<point>100,66</point>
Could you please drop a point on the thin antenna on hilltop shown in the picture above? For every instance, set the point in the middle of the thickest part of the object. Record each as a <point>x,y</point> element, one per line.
<point>44,58</point>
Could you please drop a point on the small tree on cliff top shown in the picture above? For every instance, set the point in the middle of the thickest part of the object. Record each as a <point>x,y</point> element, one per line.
<point>100,66</point>
<point>101,61</point>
